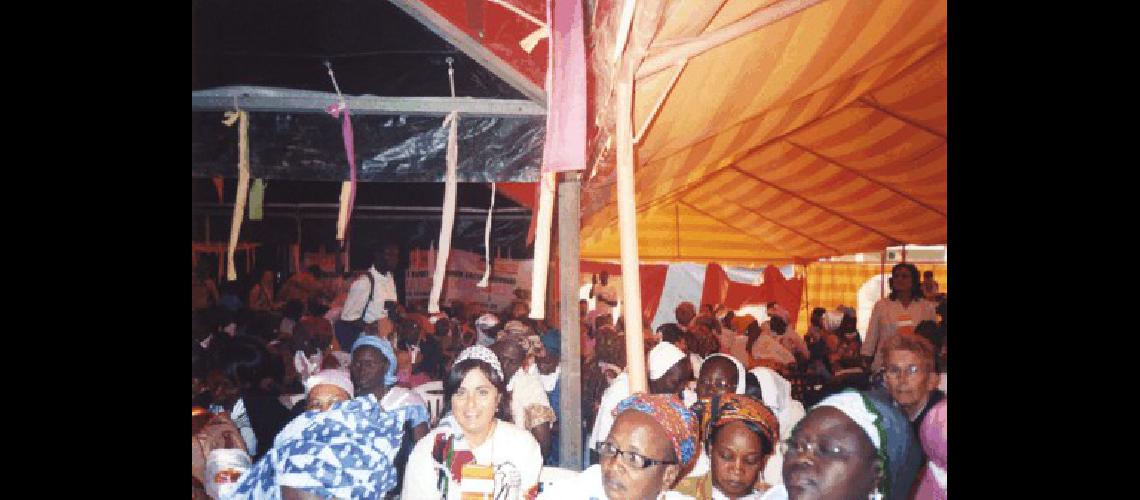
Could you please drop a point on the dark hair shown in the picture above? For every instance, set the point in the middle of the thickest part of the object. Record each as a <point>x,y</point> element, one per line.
<point>199,362</point>
<point>670,332</point>
<point>244,361</point>
<point>709,322</point>
<point>459,371</point>
<point>316,308</point>
<point>915,283</point>
<point>218,317</point>
<point>610,348</point>
<point>846,325</point>
<point>293,309</point>
<point>723,359</point>
<point>778,324</point>
<point>817,316</point>
<point>752,331</point>
<point>752,386</point>
<point>928,330</point>
<point>928,273</point>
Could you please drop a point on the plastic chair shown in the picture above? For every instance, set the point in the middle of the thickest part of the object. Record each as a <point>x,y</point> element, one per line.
<point>432,394</point>
<point>555,479</point>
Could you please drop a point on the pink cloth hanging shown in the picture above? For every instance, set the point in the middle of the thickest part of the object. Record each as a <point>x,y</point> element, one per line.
<point>565,146</point>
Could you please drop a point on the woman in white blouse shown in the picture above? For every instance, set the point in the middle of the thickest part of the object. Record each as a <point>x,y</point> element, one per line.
<point>472,450</point>
<point>899,312</point>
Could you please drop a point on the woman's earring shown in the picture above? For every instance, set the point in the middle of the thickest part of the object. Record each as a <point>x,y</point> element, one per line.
<point>875,495</point>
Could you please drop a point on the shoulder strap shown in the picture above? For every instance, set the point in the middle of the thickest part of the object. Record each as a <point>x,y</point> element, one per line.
<point>371,289</point>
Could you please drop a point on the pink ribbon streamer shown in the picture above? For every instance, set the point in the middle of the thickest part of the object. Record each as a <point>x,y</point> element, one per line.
<point>349,150</point>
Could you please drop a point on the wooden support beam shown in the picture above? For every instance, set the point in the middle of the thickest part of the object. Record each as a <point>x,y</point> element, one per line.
<point>570,430</point>
<point>688,48</point>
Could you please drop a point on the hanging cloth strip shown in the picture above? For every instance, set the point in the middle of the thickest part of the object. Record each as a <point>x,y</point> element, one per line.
<point>220,187</point>
<point>448,223</point>
<point>243,185</point>
<point>257,200</point>
<point>485,282</point>
<point>449,194</point>
<point>565,146</point>
<point>347,188</point>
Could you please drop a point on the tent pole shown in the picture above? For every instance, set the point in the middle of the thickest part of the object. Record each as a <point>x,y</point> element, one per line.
<point>882,271</point>
<point>542,245</point>
<point>627,220</point>
<point>904,253</point>
<point>569,202</point>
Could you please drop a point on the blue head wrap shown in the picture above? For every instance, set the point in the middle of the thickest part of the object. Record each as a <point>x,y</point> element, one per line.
<point>346,452</point>
<point>679,423</point>
<point>385,347</point>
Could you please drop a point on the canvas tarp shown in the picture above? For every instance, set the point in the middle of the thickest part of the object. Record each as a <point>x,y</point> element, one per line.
<point>821,133</point>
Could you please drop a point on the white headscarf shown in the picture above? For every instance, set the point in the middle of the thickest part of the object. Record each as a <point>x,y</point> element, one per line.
<point>338,377</point>
<point>851,404</point>
<point>741,374</point>
<point>777,394</point>
<point>662,357</point>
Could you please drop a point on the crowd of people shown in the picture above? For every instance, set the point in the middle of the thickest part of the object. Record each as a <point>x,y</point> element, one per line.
<point>336,388</point>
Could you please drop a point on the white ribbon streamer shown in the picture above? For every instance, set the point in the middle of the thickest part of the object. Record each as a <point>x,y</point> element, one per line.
<point>243,186</point>
<point>448,224</point>
<point>485,282</point>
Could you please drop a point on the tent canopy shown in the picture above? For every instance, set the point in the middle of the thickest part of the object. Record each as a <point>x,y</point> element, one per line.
<point>819,131</point>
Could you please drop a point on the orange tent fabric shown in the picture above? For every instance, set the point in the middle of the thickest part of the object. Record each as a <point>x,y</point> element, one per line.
<point>819,133</point>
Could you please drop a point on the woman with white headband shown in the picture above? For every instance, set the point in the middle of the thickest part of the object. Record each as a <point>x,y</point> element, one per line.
<point>473,450</point>
<point>850,445</point>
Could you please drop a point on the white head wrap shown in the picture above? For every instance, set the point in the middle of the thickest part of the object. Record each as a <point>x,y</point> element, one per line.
<point>482,354</point>
<point>662,357</point>
<point>337,376</point>
<point>777,394</point>
<point>851,404</point>
<point>740,373</point>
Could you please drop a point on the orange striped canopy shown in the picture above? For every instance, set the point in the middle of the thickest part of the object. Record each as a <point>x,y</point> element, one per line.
<point>820,130</point>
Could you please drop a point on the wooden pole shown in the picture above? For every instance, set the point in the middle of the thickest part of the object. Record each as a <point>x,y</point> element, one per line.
<point>627,222</point>
<point>570,407</point>
<point>882,271</point>
<point>542,245</point>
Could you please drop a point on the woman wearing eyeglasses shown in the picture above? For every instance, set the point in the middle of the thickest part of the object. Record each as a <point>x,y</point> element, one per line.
<point>473,450</point>
<point>652,441</point>
<point>851,445</point>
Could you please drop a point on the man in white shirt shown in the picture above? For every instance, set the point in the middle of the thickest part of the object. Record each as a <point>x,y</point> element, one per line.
<point>366,300</point>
